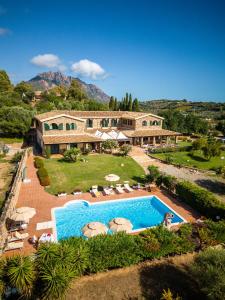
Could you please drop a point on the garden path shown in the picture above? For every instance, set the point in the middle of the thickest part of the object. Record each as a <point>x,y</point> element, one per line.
<point>215,185</point>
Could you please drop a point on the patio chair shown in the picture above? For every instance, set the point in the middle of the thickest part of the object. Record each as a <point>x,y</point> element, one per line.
<point>127,187</point>
<point>119,189</point>
<point>14,246</point>
<point>94,191</point>
<point>17,236</point>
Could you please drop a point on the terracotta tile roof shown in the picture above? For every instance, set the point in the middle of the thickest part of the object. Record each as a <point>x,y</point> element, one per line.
<point>150,132</point>
<point>61,139</point>
<point>94,114</point>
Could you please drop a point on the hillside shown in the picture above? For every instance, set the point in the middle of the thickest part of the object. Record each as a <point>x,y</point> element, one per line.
<point>203,109</point>
<point>48,80</point>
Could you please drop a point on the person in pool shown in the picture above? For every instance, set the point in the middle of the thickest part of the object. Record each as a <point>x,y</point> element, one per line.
<point>168,219</point>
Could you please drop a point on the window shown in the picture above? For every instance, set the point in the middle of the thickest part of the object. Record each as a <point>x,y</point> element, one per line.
<point>105,122</point>
<point>46,127</point>
<point>89,123</point>
<point>54,126</point>
<point>60,127</point>
<point>127,122</point>
<point>67,126</point>
<point>150,123</point>
<point>155,123</point>
<point>73,126</point>
<point>144,123</point>
<point>114,122</point>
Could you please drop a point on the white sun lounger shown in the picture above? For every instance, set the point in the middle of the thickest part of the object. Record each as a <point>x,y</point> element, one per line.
<point>127,187</point>
<point>14,246</point>
<point>94,191</point>
<point>106,191</point>
<point>119,189</point>
<point>17,236</point>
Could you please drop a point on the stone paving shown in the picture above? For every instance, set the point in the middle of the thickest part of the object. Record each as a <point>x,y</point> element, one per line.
<point>34,195</point>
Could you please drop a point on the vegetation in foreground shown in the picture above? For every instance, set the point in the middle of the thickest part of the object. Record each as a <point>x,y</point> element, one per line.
<point>90,170</point>
<point>50,273</point>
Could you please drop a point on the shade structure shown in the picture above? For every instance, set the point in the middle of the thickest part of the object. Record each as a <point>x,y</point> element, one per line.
<point>112,177</point>
<point>23,214</point>
<point>120,224</point>
<point>93,229</point>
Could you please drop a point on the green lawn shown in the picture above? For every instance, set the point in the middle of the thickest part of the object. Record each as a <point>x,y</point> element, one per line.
<point>6,140</point>
<point>198,161</point>
<point>67,176</point>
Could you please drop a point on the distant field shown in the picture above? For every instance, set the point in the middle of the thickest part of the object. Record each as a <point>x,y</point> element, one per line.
<point>198,161</point>
<point>67,176</point>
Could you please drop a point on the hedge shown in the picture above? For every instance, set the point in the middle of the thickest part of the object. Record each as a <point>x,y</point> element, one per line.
<point>38,162</point>
<point>43,176</point>
<point>200,199</point>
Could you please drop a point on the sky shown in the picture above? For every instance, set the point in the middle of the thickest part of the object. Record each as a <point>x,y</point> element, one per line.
<point>172,49</point>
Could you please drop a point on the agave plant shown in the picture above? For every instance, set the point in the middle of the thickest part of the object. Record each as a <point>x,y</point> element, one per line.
<point>21,274</point>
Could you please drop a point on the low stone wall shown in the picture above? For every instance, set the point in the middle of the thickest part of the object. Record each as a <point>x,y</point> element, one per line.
<point>12,198</point>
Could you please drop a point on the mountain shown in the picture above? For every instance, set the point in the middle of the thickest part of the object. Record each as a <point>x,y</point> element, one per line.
<point>48,80</point>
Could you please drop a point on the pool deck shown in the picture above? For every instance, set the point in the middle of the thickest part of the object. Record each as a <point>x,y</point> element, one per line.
<point>34,195</point>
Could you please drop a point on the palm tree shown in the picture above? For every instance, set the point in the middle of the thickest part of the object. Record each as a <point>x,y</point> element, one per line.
<point>21,274</point>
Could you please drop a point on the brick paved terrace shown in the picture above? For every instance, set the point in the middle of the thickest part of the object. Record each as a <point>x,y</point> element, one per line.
<point>34,195</point>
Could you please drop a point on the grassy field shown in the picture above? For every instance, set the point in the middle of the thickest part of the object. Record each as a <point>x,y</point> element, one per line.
<point>11,140</point>
<point>198,161</point>
<point>67,176</point>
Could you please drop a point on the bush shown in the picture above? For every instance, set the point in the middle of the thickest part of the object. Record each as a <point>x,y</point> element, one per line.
<point>208,270</point>
<point>169,182</point>
<point>113,251</point>
<point>43,176</point>
<point>71,155</point>
<point>38,162</point>
<point>154,173</point>
<point>17,157</point>
<point>168,158</point>
<point>125,149</point>
<point>200,199</point>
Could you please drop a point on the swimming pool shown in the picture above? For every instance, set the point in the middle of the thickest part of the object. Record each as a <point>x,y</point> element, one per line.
<point>143,212</point>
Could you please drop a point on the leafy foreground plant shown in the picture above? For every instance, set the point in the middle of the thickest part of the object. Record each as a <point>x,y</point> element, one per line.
<point>208,270</point>
<point>20,273</point>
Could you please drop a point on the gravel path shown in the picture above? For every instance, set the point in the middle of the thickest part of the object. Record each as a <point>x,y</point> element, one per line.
<point>215,185</point>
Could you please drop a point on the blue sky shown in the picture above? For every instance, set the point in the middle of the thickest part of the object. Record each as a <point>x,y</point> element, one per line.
<point>171,49</point>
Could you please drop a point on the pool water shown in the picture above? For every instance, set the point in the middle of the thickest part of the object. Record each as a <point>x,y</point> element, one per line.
<point>143,212</point>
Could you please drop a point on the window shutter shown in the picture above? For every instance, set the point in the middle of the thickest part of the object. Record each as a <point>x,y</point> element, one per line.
<point>72,126</point>
<point>46,126</point>
<point>60,126</point>
<point>67,126</point>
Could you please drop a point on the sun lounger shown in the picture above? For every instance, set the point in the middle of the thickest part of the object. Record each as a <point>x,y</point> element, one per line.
<point>17,236</point>
<point>106,191</point>
<point>14,246</point>
<point>119,189</point>
<point>17,227</point>
<point>94,191</point>
<point>127,187</point>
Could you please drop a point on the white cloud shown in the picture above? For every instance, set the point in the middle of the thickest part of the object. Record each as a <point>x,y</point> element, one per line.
<point>4,31</point>
<point>48,61</point>
<point>87,68</point>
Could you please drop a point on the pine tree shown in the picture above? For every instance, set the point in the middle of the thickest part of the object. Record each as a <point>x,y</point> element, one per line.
<point>111,103</point>
<point>130,102</point>
<point>5,84</point>
<point>135,106</point>
<point>126,100</point>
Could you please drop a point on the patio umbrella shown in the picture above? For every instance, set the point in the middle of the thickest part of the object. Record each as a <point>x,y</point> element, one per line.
<point>93,229</point>
<point>23,214</point>
<point>112,177</point>
<point>120,224</point>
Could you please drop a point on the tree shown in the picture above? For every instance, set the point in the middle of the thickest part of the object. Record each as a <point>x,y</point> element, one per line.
<point>125,149</point>
<point>109,145</point>
<point>154,173</point>
<point>130,103</point>
<point>20,273</point>
<point>25,90</point>
<point>76,91</point>
<point>71,155</point>
<point>221,127</point>
<point>126,100</point>
<point>5,84</point>
<point>15,120</point>
<point>116,104</point>
<point>208,270</point>
<point>135,106</point>
<point>199,144</point>
<point>111,103</point>
<point>212,149</point>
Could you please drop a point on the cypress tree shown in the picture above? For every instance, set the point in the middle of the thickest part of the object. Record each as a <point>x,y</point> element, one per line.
<point>115,104</point>
<point>135,106</point>
<point>130,102</point>
<point>126,100</point>
<point>111,103</point>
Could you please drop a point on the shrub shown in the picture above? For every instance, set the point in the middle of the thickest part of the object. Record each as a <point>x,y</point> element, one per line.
<point>200,199</point>
<point>43,176</point>
<point>38,162</point>
<point>109,145</point>
<point>169,182</point>
<point>168,158</point>
<point>113,251</point>
<point>17,157</point>
<point>208,270</point>
<point>125,149</point>
<point>154,173</point>
<point>71,155</point>
<point>217,230</point>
